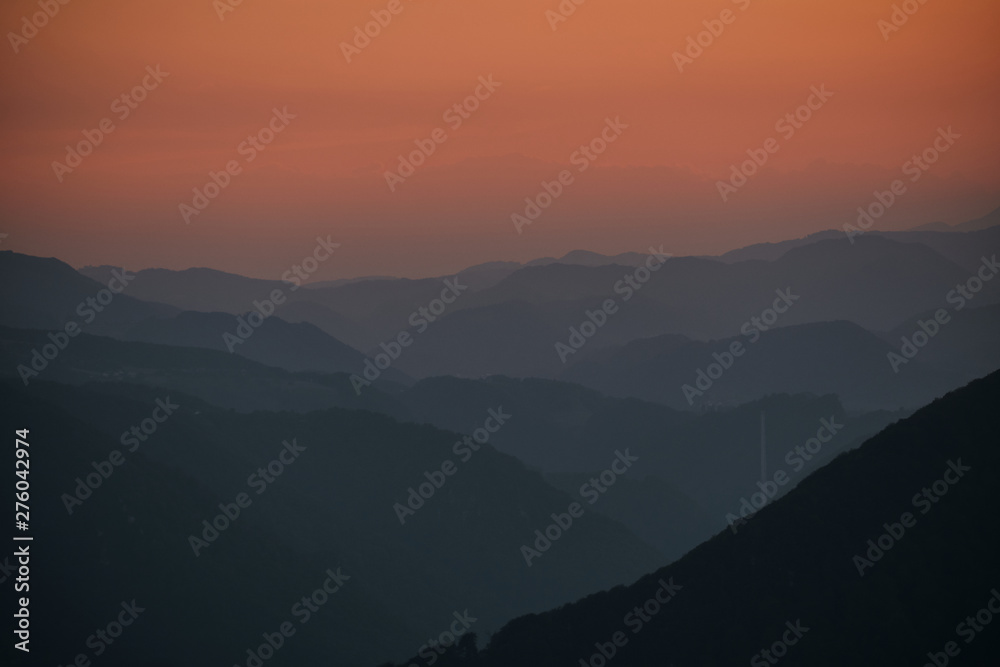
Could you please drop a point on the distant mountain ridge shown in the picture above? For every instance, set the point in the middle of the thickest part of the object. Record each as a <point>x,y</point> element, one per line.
<point>513,327</point>
<point>300,347</point>
<point>819,358</point>
<point>488,273</point>
<point>45,293</point>
<point>963,246</point>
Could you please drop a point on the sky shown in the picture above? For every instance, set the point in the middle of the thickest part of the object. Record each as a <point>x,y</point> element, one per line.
<point>349,106</point>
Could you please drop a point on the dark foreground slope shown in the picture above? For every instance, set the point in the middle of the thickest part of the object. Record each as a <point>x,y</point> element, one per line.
<point>794,562</point>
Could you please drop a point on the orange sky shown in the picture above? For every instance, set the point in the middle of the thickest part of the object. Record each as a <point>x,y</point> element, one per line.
<point>324,173</point>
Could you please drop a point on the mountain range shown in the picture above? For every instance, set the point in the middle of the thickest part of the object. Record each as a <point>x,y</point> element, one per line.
<point>683,388</point>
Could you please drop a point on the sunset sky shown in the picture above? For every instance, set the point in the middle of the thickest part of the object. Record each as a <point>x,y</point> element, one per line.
<point>325,172</point>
